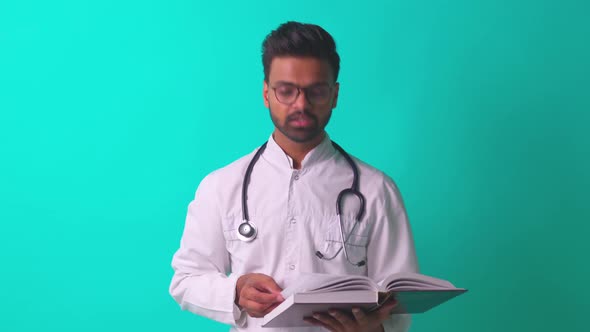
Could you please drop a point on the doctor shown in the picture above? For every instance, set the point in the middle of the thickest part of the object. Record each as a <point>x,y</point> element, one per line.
<point>261,221</point>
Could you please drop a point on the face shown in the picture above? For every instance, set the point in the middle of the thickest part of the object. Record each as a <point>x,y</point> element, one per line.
<point>300,118</point>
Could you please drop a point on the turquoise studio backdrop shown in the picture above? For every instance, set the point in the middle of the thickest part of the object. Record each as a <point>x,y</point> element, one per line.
<point>111,112</point>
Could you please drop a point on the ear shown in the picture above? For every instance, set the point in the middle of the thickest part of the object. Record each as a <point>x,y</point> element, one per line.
<point>265,94</point>
<point>335,98</point>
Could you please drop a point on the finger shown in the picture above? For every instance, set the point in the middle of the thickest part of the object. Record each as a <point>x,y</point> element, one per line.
<point>390,304</point>
<point>268,285</point>
<point>272,307</point>
<point>386,310</point>
<point>388,307</point>
<point>316,322</point>
<point>269,309</point>
<point>330,323</point>
<point>341,317</point>
<point>261,303</point>
<point>256,295</point>
<point>361,318</point>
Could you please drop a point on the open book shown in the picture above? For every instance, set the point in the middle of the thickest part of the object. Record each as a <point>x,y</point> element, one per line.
<point>415,293</point>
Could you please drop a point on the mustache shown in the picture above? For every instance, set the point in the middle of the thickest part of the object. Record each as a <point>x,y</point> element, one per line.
<point>296,115</point>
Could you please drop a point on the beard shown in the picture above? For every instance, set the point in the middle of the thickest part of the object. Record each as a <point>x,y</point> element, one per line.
<point>301,134</point>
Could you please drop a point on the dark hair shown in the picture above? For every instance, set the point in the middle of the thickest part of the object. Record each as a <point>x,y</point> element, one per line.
<point>301,40</point>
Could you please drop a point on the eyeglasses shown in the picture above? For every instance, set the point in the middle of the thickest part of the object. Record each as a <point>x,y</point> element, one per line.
<point>318,94</point>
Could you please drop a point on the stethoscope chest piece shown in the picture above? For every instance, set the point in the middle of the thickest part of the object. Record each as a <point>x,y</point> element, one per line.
<point>247,231</point>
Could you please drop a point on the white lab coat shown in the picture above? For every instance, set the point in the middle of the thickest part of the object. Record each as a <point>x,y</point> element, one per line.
<point>295,213</point>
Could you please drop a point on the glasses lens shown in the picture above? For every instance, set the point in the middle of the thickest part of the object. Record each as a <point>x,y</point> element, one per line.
<point>316,94</point>
<point>286,93</point>
<point>319,94</point>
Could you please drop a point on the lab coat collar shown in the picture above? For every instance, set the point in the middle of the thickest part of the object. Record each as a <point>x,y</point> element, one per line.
<point>276,155</point>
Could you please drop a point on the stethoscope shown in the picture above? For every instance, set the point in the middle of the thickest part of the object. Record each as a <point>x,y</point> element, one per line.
<point>247,230</point>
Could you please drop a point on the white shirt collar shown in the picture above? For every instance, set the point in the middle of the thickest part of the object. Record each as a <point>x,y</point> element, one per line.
<point>275,154</point>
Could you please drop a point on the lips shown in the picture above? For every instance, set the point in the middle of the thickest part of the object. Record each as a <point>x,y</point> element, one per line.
<point>301,120</point>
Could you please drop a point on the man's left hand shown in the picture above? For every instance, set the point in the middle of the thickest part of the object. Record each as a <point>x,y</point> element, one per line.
<point>338,321</point>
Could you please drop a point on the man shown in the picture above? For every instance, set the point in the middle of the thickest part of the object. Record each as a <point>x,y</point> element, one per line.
<point>244,242</point>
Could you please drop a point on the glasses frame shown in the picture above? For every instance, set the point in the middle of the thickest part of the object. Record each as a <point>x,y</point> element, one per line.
<point>305,90</point>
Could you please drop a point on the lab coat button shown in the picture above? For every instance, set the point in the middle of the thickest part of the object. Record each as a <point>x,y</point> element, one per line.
<point>296,177</point>
<point>293,220</point>
<point>292,267</point>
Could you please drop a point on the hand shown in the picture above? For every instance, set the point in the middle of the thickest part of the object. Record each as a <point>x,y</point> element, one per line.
<point>258,294</point>
<point>339,321</point>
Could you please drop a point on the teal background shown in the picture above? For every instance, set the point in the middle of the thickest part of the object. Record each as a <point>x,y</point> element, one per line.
<point>111,112</point>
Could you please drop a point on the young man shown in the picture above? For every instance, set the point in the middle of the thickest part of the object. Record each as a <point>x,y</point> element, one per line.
<point>255,225</point>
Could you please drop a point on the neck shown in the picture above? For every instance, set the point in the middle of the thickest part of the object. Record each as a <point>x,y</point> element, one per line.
<point>297,151</point>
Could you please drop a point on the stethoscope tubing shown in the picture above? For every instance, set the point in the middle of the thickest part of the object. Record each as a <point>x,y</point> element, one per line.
<point>247,231</point>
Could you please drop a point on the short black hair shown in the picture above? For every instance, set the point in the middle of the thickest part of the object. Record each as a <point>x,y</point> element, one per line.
<point>300,40</point>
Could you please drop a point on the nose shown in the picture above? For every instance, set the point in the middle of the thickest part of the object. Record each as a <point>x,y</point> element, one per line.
<point>301,102</point>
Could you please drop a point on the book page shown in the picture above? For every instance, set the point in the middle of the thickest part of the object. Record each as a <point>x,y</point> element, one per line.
<point>322,283</point>
<point>413,281</point>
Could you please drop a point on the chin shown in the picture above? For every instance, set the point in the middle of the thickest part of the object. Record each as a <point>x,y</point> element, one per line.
<point>303,137</point>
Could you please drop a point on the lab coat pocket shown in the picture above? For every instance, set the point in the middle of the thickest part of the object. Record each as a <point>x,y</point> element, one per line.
<point>355,239</point>
<point>242,253</point>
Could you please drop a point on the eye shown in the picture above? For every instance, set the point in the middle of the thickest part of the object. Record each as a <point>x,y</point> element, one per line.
<point>286,90</point>
<point>319,91</point>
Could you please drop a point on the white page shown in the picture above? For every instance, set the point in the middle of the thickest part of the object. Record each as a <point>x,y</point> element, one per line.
<point>317,283</point>
<point>414,281</point>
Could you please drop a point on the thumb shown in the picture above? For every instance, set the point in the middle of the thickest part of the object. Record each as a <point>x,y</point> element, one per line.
<point>272,287</point>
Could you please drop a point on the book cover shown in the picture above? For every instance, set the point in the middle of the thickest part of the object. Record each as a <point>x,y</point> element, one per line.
<point>415,293</point>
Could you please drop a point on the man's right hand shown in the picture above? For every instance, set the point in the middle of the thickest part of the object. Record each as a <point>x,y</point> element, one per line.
<point>258,294</point>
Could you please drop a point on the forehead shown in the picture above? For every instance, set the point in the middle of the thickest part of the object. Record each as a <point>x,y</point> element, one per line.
<point>300,70</point>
